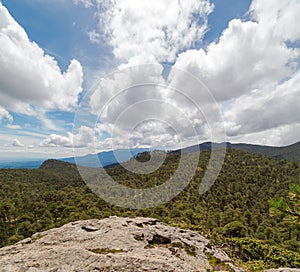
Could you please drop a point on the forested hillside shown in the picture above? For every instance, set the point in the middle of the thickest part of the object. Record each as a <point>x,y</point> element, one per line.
<point>290,152</point>
<point>234,212</point>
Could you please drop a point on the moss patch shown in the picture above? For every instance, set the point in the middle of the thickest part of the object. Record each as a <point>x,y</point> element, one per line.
<point>139,237</point>
<point>106,250</point>
<point>190,250</point>
<point>217,264</point>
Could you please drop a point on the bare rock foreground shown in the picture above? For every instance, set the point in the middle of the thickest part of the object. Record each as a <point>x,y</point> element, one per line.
<point>115,244</point>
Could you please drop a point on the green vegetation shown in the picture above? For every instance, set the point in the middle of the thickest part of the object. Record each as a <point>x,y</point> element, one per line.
<point>217,264</point>
<point>173,247</point>
<point>234,212</point>
<point>255,252</point>
<point>106,250</point>
<point>190,250</point>
<point>290,211</point>
<point>290,152</point>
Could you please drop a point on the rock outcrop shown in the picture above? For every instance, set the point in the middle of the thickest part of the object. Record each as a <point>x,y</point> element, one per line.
<point>283,270</point>
<point>115,244</point>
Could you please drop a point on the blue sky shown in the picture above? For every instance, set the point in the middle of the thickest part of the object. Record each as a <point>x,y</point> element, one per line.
<point>60,28</point>
<point>87,41</point>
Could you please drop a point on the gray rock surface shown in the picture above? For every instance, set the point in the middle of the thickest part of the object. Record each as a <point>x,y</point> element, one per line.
<point>114,244</point>
<point>283,270</point>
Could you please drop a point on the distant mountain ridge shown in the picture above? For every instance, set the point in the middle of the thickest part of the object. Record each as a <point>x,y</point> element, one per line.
<point>290,152</point>
<point>105,158</point>
<point>109,158</point>
<point>21,164</point>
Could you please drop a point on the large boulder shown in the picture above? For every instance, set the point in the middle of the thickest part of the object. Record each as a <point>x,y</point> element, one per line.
<point>115,244</point>
<point>283,270</point>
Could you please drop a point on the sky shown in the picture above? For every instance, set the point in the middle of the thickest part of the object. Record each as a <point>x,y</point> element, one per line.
<point>94,75</point>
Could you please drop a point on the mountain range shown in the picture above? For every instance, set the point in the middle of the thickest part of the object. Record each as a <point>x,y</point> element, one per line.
<point>109,158</point>
<point>290,152</point>
<point>103,159</point>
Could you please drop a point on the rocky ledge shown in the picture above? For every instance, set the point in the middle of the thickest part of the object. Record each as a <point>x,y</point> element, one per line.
<point>283,270</point>
<point>115,244</point>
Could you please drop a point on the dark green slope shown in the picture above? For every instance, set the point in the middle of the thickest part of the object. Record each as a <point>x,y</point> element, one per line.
<point>290,152</point>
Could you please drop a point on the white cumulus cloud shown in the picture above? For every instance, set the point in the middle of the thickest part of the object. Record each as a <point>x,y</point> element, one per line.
<point>266,109</point>
<point>156,28</point>
<point>279,16</point>
<point>253,72</point>
<point>84,138</point>
<point>246,57</point>
<point>138,106</point>
<point>31,79</point>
